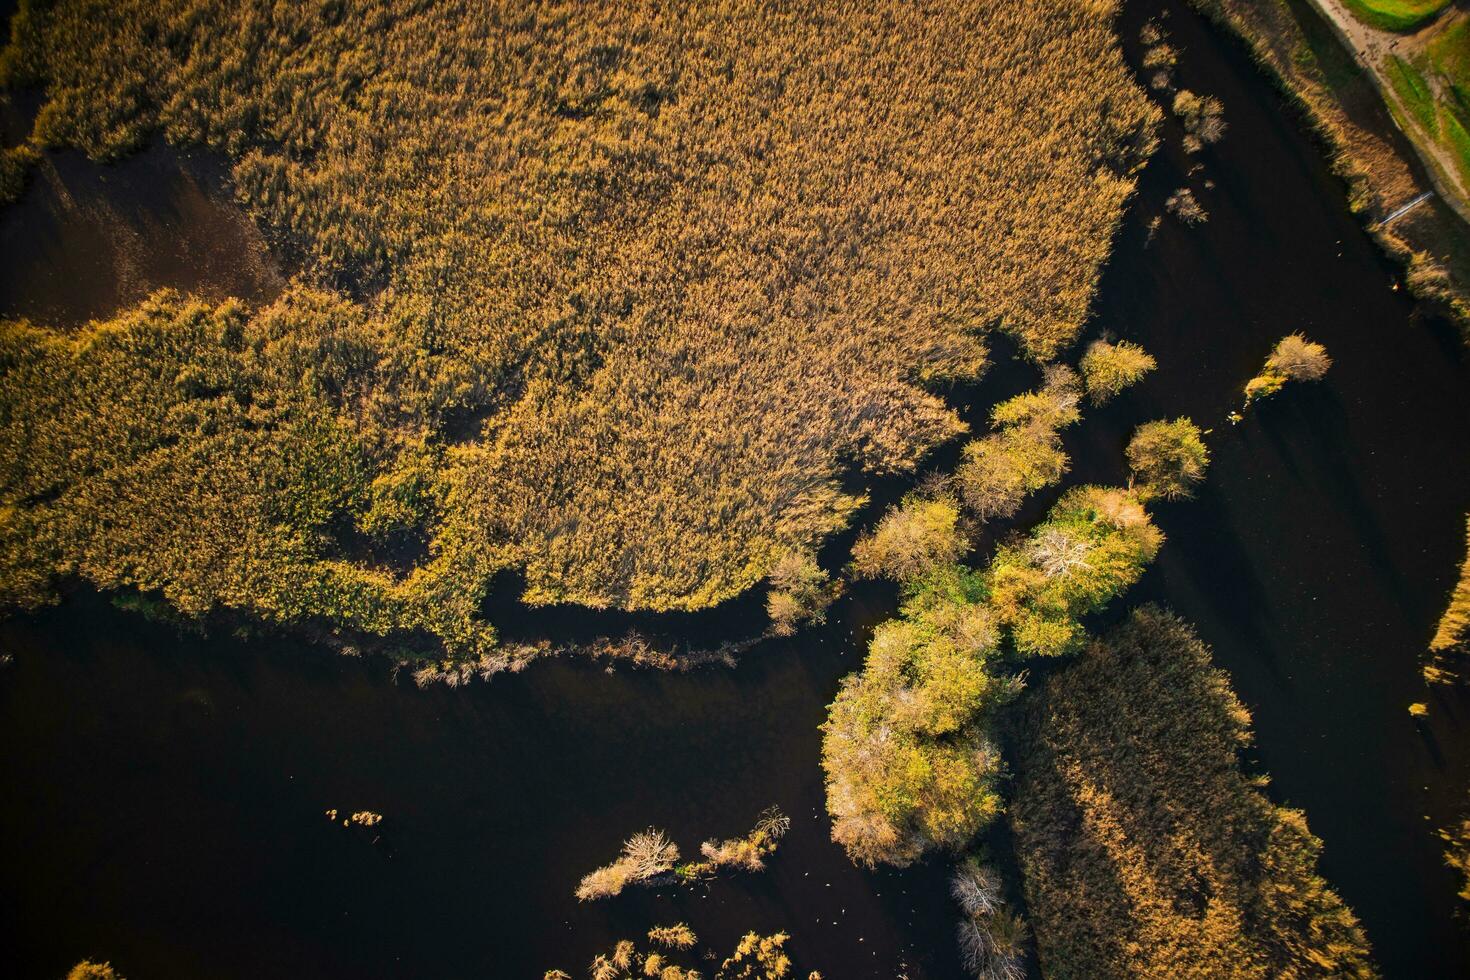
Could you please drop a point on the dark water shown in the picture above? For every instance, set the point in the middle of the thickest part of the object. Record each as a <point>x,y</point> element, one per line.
<point>165,794</point>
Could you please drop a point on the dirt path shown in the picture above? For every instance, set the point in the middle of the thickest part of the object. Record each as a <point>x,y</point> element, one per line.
<point>1371,48</point>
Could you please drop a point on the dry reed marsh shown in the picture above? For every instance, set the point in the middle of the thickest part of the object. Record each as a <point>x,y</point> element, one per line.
<point>609,292</point>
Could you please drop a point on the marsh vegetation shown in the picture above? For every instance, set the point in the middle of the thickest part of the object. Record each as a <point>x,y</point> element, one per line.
<point>610,293</point>
<point>1144,849</point>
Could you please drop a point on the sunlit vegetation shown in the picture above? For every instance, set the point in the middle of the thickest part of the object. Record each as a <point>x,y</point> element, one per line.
<point>1167,459</point>
<point>992,937</point>
<point>1453,631</point>
<point>87,970</point>
<point>1457,853</point>
<point>1203,118</point>
<point>1183,205</point>
<point>1159,56</point>
<point>907,747</point>
<point>759,958</point>
<point>1428,91</point>
<point>1395,15</point>
<point>1295,358</point>
<point>1093,545</point>
<point>1446,63</point>
<point>215,459</point>
<point>623,288</point>
<point>1109,368</point>
<point>746,853</point>
<point>645,856</point>
<point>800,593</point>
<point>920,534</point>
<point>1449,52</point>
<point>363,818</point>
<point>755,957</point>
<point>650,858</point>
<point>678,936</point>
<point>1024,452</point>
<point>1145,850</point>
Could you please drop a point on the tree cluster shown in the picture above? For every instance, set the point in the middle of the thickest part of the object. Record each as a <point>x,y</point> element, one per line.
<point>1167,459</point>
<point>1203,118</point>
<point>1024,452</point>
<point>907,748</point>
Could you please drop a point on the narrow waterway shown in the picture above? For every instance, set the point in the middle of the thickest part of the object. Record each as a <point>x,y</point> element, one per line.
<point>165,793</point>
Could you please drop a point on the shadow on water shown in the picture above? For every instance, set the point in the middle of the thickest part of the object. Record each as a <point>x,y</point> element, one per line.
<point>167,793</point>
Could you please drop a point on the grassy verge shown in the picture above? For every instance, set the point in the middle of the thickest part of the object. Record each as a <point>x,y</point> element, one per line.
<point>1413,89</point>
<point>1450,53</point>
<point>1457,139</point>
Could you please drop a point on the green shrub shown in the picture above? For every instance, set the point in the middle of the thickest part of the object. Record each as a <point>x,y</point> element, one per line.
<point>1167,459</point>
<point>1108,368</point>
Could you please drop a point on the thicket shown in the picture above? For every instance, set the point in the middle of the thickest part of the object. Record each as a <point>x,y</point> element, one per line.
<point>1167,459</point>
<point>992,937</point>
<point>1183,205</point>
<point>1023,452</point>
<point>1203,118</point>
<point>800,593</point>
<point>651,858</point>
<point>755,957</point>
<point>1145,850</point>
<point>920,534</point>
<point>1295,358</point>
<point>1109,368</point>
<point>641,280</point>
<point>907,745</point>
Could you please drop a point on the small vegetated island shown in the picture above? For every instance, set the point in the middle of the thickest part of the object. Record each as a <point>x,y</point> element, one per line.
<point>610,293</point>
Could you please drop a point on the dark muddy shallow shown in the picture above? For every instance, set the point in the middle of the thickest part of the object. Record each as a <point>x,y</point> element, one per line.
<point>85,241</point>
<point>166,792</point>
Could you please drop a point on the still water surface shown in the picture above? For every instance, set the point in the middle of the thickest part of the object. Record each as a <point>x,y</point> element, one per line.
<point>164,794</point>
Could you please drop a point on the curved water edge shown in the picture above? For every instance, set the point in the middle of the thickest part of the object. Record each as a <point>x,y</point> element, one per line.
<point>173,786</point>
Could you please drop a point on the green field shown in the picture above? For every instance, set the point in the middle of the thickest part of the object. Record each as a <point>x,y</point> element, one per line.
<point>1395,15</point>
